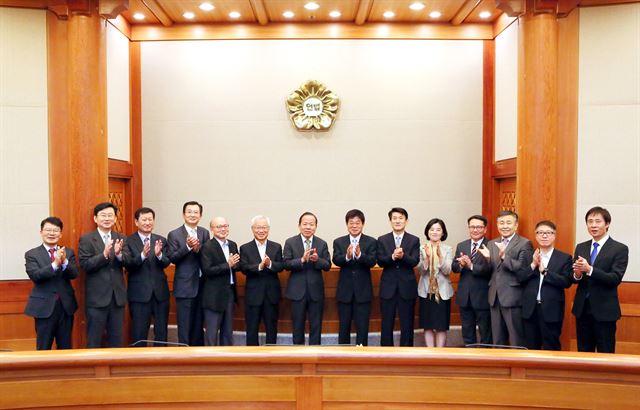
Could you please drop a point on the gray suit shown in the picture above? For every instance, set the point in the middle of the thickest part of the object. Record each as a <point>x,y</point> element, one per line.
<point>505,291</point>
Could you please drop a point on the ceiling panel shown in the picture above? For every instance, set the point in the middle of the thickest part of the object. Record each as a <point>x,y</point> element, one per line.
<point>485,5</point>
<point>448,8</point>
<point>136,6</point>
<point>175,9</point>
<point>275,8</point>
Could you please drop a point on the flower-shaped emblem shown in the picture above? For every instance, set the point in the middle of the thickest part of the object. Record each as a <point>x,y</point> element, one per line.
<point>312,106</point>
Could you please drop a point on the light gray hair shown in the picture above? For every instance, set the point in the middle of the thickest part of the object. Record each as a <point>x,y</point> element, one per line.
<point>258,217</point>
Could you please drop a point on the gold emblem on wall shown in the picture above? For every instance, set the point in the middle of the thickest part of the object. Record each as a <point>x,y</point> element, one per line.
<point>312,106</point>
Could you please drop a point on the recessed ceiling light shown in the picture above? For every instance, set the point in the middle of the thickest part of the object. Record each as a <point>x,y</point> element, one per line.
<point>417,6</point>
<point>138,16</point>
<point>234,15</point>
<point>288,14</point>
<point>207,7</point>
<point>188,15</point>
<point>485,14</point>
<point>335,14</point>
<point>388,14</point>
<point>435,14</point>
<point>312,5</point>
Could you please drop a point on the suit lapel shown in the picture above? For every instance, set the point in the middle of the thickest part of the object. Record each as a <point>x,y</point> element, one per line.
<point>603,252</point>
<point>43,256</point>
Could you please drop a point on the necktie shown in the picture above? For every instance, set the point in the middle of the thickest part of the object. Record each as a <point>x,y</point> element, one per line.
<point>194,233</point>
<point>474,249</point>
<point>398,241</point>
<point>505,242</point>
<point>146,241</point>
<point>307,244</point>
<point>105,238</point>
<point>594,252</point>
<point>52,254</point>
<point>354,243</point>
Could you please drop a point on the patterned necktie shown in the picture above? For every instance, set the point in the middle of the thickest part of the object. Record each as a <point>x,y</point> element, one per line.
<point>505,241</point>
<point>594,252</point>
<point>307,244</point>
<point>105,238</point>
<point>52,254</point>
<point>474,249</point>
<point>146,241</point>
<point>354,243</point>
<point>398,241</point>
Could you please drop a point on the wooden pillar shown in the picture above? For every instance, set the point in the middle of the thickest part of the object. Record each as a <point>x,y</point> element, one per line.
<point>77,128</point>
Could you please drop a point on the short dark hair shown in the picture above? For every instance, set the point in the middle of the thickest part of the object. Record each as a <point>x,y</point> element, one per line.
<point>546,222</point>
<point>53,220</point>
<point>305,214</point>
<point>433,222</point>
<point>143,210</point>
<point>354,213</point>
<point>397,209</point>
<point>507,213</point>
<point>482,218</point>
<point>104,205</point>
<point>186,204</point>
<point>599,210</point>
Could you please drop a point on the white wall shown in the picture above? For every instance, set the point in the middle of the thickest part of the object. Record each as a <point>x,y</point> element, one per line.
<point>506,88</point>
<point>118,119</point>
<point>609,123</point>
<point>24,164</point>
<point>409,133</point>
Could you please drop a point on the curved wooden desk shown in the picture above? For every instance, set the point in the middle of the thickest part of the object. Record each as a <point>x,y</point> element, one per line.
<point>286,377</point>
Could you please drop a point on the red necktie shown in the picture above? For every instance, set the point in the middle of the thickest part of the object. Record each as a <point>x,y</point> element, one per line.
<point>52,254</point>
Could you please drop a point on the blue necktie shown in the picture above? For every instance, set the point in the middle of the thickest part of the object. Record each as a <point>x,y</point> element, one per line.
<point>594,252</point>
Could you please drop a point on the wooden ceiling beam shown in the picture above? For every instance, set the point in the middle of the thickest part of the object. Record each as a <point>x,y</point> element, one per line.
<point>260,11</point>
<point>465,10</point>
<point>158,12</point>
<point>364,8</point>
<point>111,9</point>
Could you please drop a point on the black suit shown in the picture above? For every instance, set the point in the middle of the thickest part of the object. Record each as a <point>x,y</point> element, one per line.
<point>148,291</point>
<point>305,288</point>
<point>52,301</point>
<point>105,293</point>
<point>187,285</point>
<point>218,293</point>
<point>543,319</point>
<point>262,290</point>
<point>355,290</point>
<point>472,294</point>
<point>398,287</point>
<point>596,305</point>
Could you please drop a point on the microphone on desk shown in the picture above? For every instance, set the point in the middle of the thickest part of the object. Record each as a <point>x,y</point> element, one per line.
<point>136,343</point>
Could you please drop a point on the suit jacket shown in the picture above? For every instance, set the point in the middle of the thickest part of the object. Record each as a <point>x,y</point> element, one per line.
<point>355,274</point>
<point>473,286</point>
<point>602,286</point>
<point>264,283</point>
<point>146,277</point>
<point>504,282</point>
<point>443,275</point>
<point>47,283</point>
<point>398,274</point>
<point>557,279</point>
<point>217,275</point>
<point>186,279</point>
<point>305,277</point>
<point>104,276</point>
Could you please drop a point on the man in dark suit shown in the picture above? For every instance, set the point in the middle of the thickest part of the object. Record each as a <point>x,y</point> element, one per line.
<point>600,264</point>
<point>473,286</point>
<point>260,262</point>
<point>52,301</point>
<point>145,258</point>
<point>508,254</point>
<point>184,252</point>
<point>306,256</point>
<point>398,254</point>
<point>355,253</point>
<point>220,260</point>
<point>101,258</point>
<point>544,281</point>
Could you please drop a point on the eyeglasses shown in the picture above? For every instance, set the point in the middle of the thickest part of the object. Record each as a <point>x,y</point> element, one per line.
<point>476,227</point>
<point>221,226</point>
<point>106,215</point>
<point>51,230</point>
<point>545,233</point>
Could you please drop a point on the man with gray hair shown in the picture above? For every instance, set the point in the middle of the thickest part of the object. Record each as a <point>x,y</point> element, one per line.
<point>260,262</point>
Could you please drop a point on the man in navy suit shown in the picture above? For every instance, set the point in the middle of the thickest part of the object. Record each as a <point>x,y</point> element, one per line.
<point>145,258</point>
<point>184,252</point>
<point>52,301</point>
<point>101,258</point>
<point>398,254</point>
<point>473,286</point>
<point>260,262</point>
<point>220,260</point>
<point>355,253</point>
<point>600,263</point>
<point>306,256</point>
<point>544,281</point>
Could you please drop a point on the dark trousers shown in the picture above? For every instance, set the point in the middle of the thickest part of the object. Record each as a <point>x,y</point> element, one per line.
<point>358,313</point>
<point>267,312</point>
<point>141,314</point>
<point>471,317</point>
<point>406,314</point>
<point>220,323</point>
<point>539,334</point>
<point>58,326</point>
<point>299,311</point>
<point>506,325</point>
<point>594,335</point>
<point>109,318</point>
<point>189,318</point>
